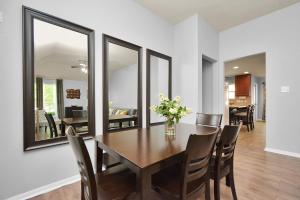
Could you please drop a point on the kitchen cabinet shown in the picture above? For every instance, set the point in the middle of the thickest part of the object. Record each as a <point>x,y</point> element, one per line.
<point>243,85</point>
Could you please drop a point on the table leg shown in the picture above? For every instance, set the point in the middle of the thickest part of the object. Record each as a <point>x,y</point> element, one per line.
<point>144,185</point>
<point>63,129</point>
<point>120,124</point>
<point>99,158</point>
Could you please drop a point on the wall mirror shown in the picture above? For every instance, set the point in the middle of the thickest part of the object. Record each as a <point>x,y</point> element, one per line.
<point>159,80</point>
<point>58,79</point>
<point>122,83</point>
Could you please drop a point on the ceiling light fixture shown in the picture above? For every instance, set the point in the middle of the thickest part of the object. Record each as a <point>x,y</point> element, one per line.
<point>246,72</point>
<point>236,67</point>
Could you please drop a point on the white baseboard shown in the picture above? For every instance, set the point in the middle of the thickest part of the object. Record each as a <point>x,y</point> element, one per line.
<point>45,189</point>
<point>278,151</point>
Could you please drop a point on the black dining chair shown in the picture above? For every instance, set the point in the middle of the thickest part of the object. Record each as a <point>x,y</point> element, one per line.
<point>222,161</point>
<point>52,125</point>
<point>245,117</point>
<point>192,177</point>
<point>114,183</point>
<point>213,120</point>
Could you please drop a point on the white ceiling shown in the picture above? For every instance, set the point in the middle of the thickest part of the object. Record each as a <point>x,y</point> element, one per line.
<point>254,64</point>
<point>119,57</point>
<point>221,14</point>
<point>56,49</point>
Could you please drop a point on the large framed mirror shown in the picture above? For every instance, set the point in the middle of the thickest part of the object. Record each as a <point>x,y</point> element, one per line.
<point>122,85</point>
<point>159,80</point>
<point>58,79</point>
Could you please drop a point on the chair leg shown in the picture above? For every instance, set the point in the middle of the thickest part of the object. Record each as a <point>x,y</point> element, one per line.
<point>248,127</point>
<point>217,189</point>
<point>228,181</point>
<point>82,190</point>
<point>207,190</point>
<point>232,185</point>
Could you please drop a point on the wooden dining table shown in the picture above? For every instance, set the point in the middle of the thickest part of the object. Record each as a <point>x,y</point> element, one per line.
<point>146,151</point>
<point>72,122</point>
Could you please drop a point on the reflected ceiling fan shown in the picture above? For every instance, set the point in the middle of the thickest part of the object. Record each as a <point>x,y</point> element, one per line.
<point>82,66</point>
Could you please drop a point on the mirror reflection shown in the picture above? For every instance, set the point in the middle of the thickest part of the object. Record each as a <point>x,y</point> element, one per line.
<point>159,80</point>
<point>122,68</point>
<point>61,80</point>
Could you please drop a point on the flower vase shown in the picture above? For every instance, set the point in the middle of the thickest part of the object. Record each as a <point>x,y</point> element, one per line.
<point>170,127</point>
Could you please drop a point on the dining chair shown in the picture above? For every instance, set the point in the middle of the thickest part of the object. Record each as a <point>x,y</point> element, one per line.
<point>52,125</point>
<point>114,183</point>
<point>245,117</point>
<point>213,120</point>
<point>222,161</point>
<point>252,109</point>
<point>192,178</point>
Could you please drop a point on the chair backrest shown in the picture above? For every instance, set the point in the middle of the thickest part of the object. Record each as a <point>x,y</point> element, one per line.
<point>249,111</point>
<point>52,125</point>
<point>88,181</point>
<point>227,142</point>
<point>213,120</point>
<point>198,154</point>
<point>252,111</point>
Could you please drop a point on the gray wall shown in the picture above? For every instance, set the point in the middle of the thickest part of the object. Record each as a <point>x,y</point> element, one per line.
<point>24,171</point>
<point>123,87</point>
<point>276,34</point>
<point>207,86</point>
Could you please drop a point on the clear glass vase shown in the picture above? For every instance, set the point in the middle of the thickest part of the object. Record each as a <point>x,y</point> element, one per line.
<point>170,127</point>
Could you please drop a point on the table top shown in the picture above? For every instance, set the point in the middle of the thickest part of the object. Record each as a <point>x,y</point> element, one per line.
<point>74,120</point>
<point>233,106</point>
<point>112,117</point>
<point>147,146</point>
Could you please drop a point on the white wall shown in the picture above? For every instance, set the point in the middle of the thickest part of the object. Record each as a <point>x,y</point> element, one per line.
<point>82,86</point>
<point>277,34</point>
<point>186,63</point>
<point>123,87</point>
<point>194,38</point>
<point>159,75</point>
<point>24,171</point>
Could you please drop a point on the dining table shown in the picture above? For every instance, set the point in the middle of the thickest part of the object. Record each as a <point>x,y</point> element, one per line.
<point>146,151</point>
<point>72,122</point>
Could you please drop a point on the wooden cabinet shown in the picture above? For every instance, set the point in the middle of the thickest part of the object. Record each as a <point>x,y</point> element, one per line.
<point>243,85</point>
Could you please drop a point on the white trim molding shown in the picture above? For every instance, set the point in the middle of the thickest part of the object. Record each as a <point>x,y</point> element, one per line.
<point>45,188</point>
<point>282,152</point>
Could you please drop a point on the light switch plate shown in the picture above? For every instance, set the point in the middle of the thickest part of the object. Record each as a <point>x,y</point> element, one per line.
<point>285,89</point>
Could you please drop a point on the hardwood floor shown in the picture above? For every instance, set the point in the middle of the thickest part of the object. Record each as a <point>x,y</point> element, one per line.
<point>258,175</point>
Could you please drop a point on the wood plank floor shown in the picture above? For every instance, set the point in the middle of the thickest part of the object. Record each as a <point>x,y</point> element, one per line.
<point>258,175</point>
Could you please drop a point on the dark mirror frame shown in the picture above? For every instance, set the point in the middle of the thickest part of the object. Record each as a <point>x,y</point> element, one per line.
<point>150,53</point>
<point>106,40</point>
<point>28,77</point>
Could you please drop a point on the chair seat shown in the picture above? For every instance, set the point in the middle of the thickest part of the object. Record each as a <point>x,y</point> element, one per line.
<point>167,183</point>
<point>224,168</point>
<point>116,183</point>
<point>241,114</point>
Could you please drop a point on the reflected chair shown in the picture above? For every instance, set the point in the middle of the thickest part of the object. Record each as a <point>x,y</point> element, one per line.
<point>115,183</point>
<point>193,176</point>
<point>52,125</point>
<point>222,161</point>
<point>213,120</point>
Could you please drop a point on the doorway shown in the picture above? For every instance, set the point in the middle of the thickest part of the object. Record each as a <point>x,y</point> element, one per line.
<point>244,85</point>
<point>207,84</point>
